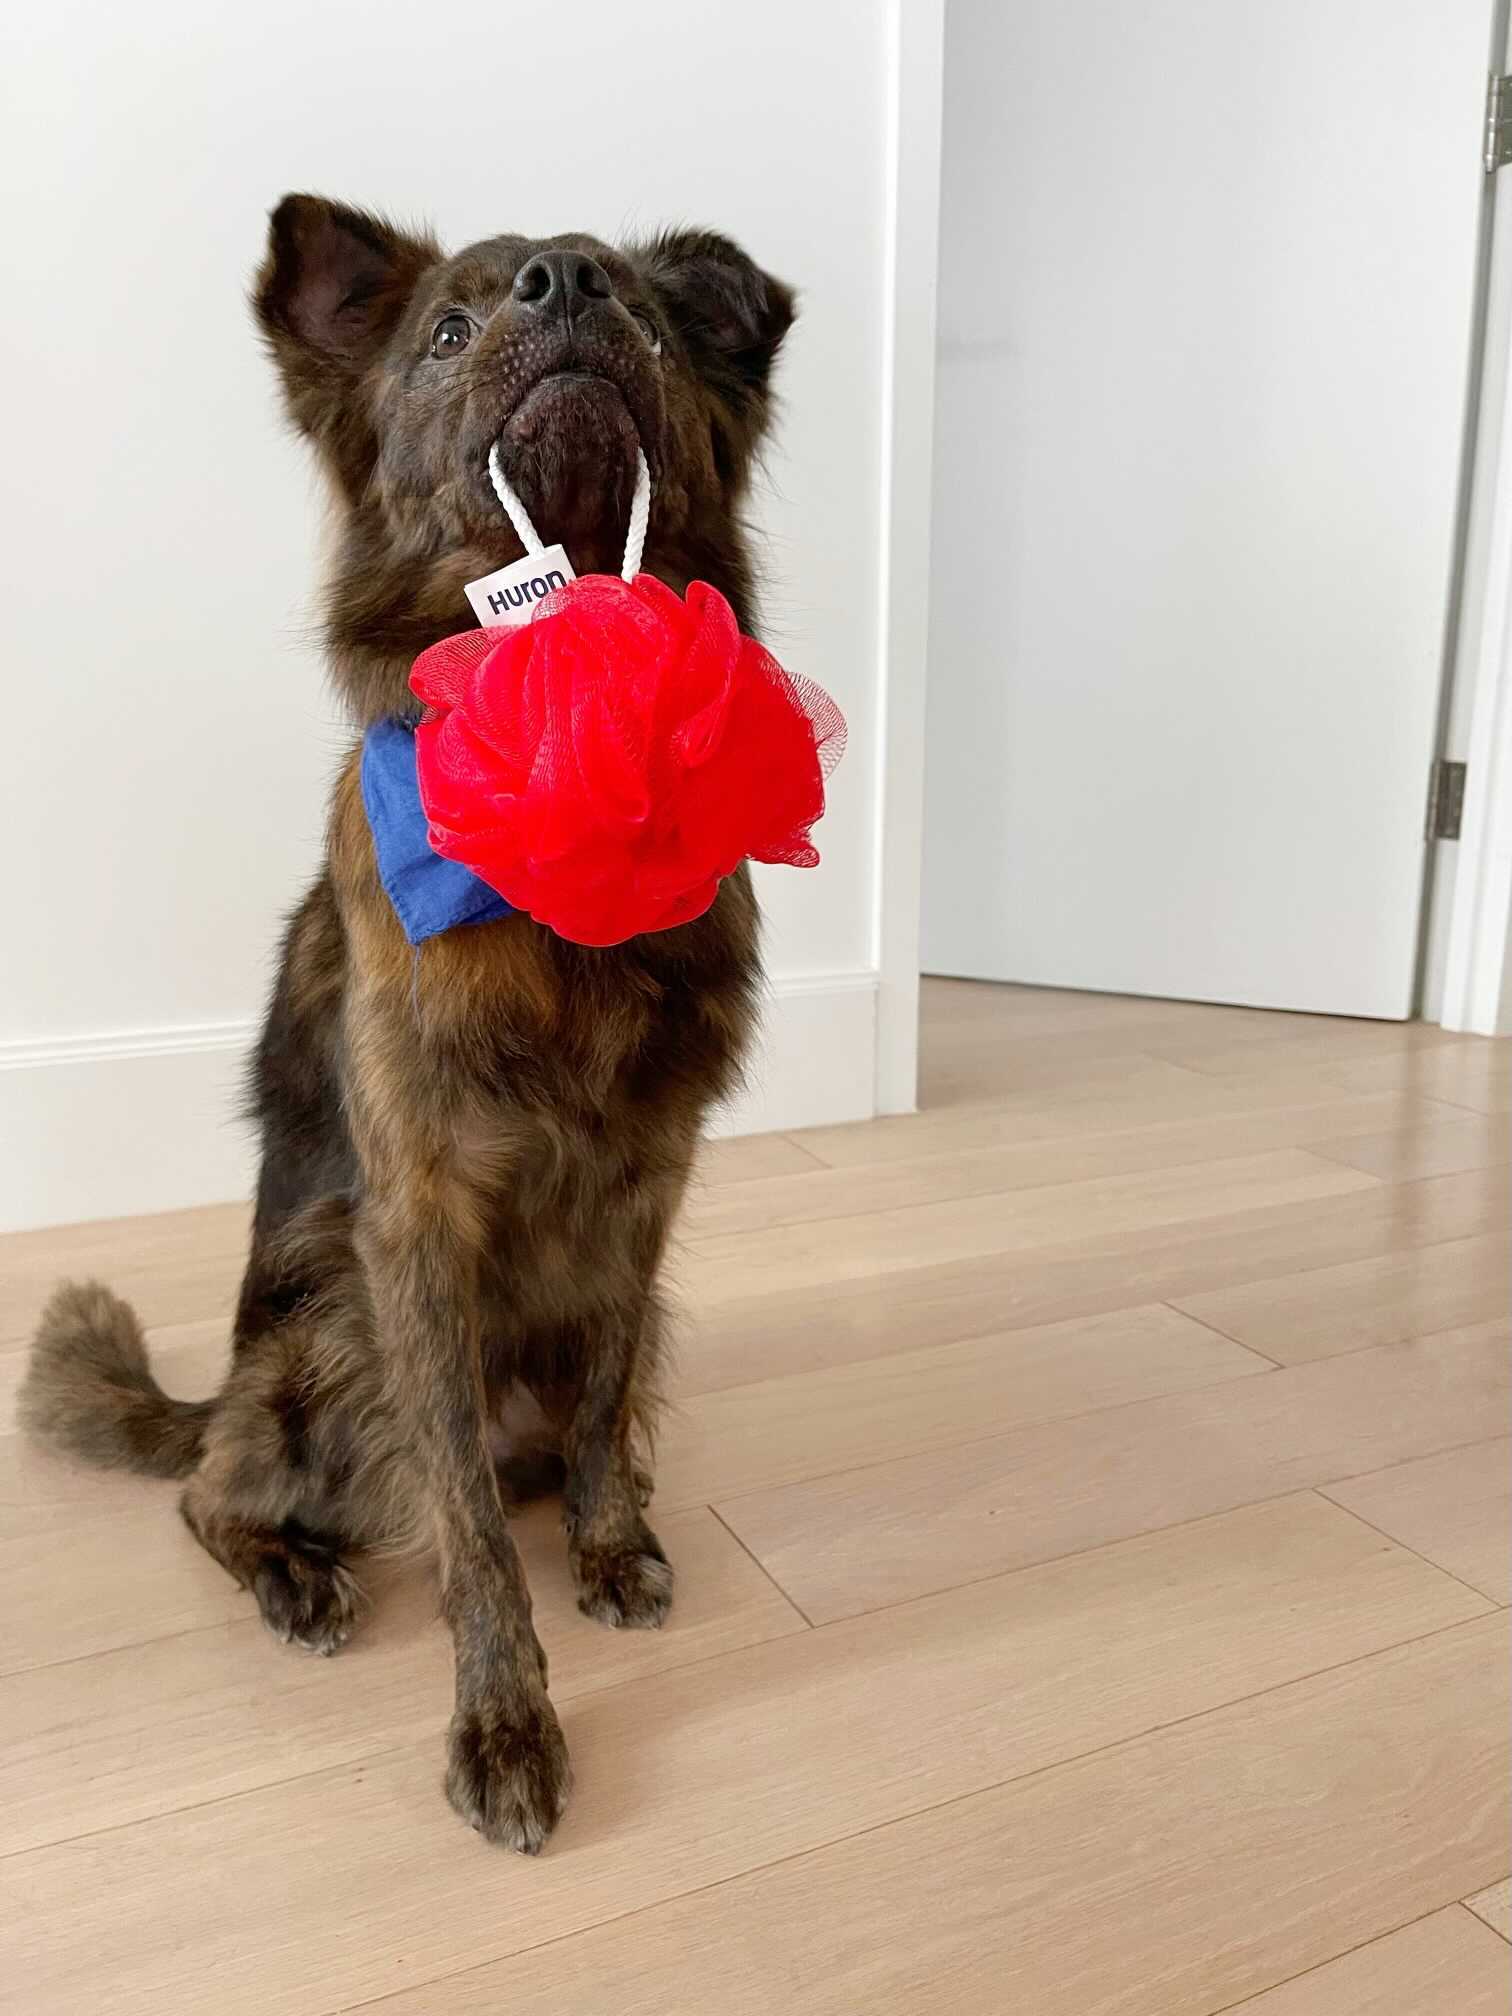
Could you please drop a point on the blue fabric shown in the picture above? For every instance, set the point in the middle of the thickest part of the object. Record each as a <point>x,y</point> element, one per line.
<point>428,892</point>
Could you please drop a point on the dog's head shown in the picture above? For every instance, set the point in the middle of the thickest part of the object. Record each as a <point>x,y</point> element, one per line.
<point>405,366</point>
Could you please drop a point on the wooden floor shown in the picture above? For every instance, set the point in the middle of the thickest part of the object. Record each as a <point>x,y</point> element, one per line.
<point>1091,1504</point>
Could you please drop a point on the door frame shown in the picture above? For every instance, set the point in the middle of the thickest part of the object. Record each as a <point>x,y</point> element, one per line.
<point>1477,957</point>
<point>915,88</point>
<point>1468,969</point>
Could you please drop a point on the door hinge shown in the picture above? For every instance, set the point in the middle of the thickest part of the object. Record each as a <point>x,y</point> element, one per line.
<point>1498,136</point>
<point>1446,799</point>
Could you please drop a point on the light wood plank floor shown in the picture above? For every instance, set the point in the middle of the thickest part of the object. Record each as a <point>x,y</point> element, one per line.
<point>1091,1499</point>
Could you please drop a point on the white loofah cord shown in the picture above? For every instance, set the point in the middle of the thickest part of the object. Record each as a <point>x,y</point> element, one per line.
<point>531,540</point>
<point>640,518</point>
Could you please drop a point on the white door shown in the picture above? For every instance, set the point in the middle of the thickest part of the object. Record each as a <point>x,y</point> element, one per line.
<point>1206,298</point>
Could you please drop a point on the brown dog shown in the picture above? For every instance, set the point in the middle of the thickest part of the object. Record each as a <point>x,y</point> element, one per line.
<point>470,1155</point>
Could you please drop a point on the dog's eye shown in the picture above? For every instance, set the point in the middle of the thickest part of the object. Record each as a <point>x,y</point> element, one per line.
<point>451,336</point>
<point>648,329</point>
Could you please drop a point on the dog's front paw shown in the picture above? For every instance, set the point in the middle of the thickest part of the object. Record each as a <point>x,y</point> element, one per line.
<point>629,1586</point>
<point>507,1773</point>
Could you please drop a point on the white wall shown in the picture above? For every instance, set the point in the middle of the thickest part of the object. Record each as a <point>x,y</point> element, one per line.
<point>170,738</point>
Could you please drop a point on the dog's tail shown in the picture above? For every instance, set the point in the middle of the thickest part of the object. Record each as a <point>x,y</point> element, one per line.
<point>89,1389</point>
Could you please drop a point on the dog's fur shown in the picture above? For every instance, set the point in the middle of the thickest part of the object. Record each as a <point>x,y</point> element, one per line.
<point>470,1155</point>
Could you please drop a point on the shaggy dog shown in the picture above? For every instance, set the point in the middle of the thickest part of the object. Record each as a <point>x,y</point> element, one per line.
<point>471,1155</point>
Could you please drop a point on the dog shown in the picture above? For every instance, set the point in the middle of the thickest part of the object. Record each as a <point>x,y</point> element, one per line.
<point>471,1154</point>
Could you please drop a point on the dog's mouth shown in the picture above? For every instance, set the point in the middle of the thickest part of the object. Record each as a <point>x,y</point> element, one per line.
<point>567,401</point>
<point>568,446</point>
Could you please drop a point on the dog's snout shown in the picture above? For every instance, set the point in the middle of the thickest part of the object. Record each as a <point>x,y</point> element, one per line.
<point>561,283</point>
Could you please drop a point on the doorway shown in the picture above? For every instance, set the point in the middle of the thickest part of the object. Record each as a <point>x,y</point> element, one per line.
<point>1206,319</point>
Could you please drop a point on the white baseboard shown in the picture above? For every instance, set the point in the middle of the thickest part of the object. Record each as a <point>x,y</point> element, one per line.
<point>816,1063</point>
<point>102,1127</point>
<point>107,1126</point>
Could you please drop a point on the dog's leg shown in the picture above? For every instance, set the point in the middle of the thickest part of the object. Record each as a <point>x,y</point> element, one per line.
<point>622,1575</point>
<point>271,1499</point>
<point>420,1236</point>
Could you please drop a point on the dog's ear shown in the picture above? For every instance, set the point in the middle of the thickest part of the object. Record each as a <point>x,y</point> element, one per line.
<point>729,314</point>
<point>332,287</point>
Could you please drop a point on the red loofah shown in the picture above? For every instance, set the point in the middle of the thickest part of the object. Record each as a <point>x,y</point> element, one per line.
<point>604,765</point>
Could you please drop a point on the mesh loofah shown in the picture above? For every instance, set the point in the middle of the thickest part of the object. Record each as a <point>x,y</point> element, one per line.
<point>606,764</point>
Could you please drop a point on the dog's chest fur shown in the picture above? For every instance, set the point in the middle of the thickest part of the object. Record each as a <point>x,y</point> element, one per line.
<point>563,1086</point>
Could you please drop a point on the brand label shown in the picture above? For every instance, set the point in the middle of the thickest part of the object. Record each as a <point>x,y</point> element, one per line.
<point>510,594</point>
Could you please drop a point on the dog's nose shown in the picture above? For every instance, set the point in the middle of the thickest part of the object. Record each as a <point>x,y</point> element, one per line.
<point>561,283</point>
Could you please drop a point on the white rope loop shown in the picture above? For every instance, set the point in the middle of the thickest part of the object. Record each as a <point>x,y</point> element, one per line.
<point>519,517</point>
<point>531,540</point>
<point>640,518</point>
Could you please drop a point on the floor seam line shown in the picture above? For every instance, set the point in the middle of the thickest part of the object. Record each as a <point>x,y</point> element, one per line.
<point>1375,1938</point>
<point>791,1601</point>
<point>1324,1491</point>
